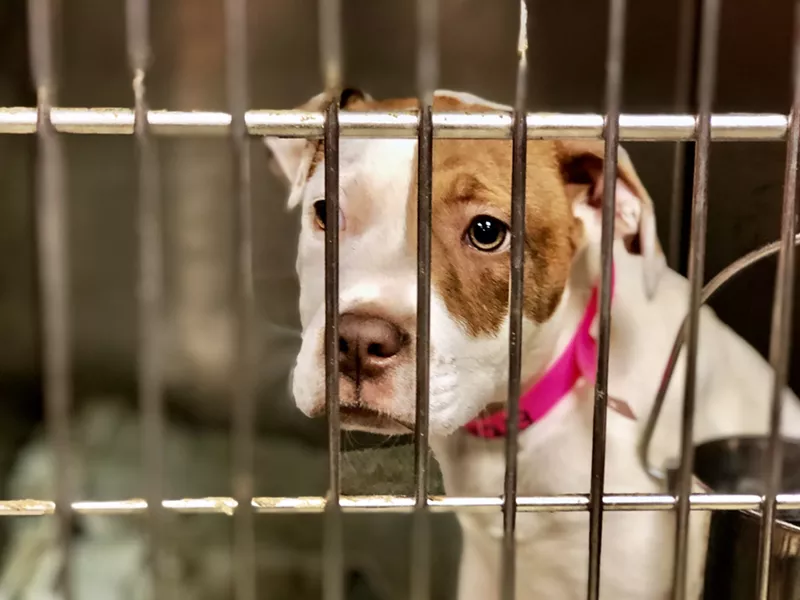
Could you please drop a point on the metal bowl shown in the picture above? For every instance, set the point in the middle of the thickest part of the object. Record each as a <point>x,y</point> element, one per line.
<point>736,466</point>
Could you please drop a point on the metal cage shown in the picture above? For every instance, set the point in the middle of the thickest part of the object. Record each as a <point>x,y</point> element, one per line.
<point>47,121</point>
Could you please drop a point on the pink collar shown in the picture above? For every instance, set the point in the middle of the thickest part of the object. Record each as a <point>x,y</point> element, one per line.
<point>579,360</point>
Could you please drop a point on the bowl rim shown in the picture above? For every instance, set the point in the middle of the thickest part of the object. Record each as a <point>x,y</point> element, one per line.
<point>752,513</point>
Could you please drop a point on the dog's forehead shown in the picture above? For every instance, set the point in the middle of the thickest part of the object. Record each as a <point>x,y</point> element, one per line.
<point>378,157</point>
<point>368,165</point>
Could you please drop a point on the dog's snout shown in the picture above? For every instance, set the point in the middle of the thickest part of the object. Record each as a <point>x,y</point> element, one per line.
<point>368,345</point>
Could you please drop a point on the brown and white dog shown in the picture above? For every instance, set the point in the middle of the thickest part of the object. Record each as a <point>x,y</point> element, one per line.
<point>469,339</point>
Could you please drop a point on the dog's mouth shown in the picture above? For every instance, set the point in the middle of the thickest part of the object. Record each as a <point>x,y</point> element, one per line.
<point>358,418</point>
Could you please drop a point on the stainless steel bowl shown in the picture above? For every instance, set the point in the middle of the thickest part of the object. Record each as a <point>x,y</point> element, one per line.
<point>735,466</point>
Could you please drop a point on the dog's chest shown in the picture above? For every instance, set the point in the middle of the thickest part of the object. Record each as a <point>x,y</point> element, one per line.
<point>554,458</point>
<point>552,547</point>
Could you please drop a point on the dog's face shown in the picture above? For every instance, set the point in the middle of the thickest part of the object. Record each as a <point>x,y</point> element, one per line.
<point>470,264</point>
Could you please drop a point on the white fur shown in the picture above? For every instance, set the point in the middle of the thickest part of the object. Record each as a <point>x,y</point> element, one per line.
<point>378,267</point>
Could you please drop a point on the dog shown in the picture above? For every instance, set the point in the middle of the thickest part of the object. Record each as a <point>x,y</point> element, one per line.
<point>469,362</point>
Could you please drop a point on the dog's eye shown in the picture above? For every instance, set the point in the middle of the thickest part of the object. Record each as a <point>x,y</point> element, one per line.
<point>320,216</point>
<point>320,213</point>
<point>487,234</point>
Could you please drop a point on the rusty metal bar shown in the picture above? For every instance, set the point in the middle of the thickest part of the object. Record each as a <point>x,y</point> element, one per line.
<point>518,174</point>
<point>781,329</point>
<point>615,58</point>
<point>301,124</point>
<point>710,25</point>
<point>244,406</point>
<point>404,504</point>
<point>150,289</point>
<point>333,528</point>
<point>427,76</point>
<point>331,61</point>
<point>44,19</point>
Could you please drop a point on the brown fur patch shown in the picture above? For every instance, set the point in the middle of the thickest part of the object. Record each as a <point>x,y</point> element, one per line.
<point>472,178</point>
<point>319,155</point>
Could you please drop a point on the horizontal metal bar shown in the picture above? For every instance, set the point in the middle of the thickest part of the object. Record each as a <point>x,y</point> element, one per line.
<point>494,125</point>
<point>441,504</point>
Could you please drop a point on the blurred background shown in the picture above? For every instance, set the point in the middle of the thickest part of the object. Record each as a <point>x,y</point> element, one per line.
<point>478,41</point>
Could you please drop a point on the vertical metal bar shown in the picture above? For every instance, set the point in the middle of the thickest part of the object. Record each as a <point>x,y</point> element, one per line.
<point>697,254</point>
<point>331,59</point>
<point>780,335</point>
<point>244,408</point>
<point>519,157</point>
<point>52,237</point>
<point>333,523</point>
<point>150,292</point>
<point>330,43</point>
<point>427,75</point>
<point>615,57</point>
<point>685,93</point>
<point>53,250</point>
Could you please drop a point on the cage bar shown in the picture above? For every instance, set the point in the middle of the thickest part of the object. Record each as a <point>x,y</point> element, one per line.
<point>331,61</point>
<point>519,159</point>
<point>333,523</point>
<point>781,330</point>
<point>427,76</point>
<point>150,289</point>
<point>705,97</point>
<point>615,57</point>
<point>659,127</point>
<point>404,504</point>
<point>244,407</point>
<point>685,79</point>
<point>53,259</point>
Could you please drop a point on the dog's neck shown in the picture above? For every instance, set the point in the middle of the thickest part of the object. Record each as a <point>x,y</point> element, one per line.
<point>476,464</point>
<point>538,397</point>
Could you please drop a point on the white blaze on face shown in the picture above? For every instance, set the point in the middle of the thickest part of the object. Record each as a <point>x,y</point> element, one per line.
<point>376,269</point>
<point>377,273</point>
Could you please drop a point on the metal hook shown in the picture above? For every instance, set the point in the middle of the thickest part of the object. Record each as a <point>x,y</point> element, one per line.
<point>657,473</point>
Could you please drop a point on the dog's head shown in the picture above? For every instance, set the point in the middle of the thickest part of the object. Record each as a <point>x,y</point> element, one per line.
<point>470,261</point>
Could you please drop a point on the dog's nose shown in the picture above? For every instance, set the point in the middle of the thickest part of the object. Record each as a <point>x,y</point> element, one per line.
<point>367,345</point>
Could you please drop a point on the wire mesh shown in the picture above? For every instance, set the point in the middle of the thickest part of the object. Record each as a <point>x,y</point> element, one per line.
<point>47,120</point>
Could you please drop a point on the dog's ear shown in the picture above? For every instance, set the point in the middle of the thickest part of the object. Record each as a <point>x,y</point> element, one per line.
<point>293,157</point>
<point>581,163</point>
